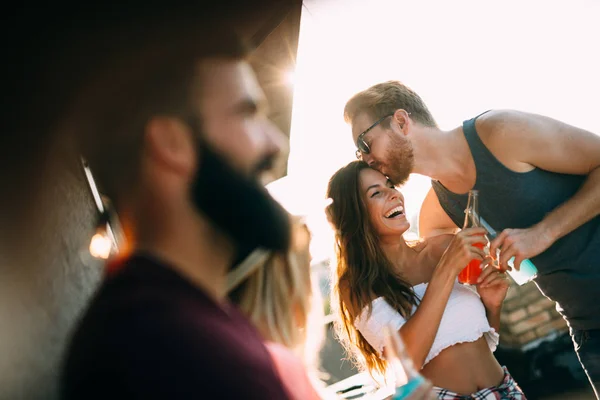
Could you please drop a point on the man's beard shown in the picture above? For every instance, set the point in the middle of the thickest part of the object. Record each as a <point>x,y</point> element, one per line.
<point>239,206</point>
<point>400,160</point>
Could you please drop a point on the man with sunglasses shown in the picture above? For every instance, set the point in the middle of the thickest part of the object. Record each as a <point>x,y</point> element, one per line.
<point>539,184</point>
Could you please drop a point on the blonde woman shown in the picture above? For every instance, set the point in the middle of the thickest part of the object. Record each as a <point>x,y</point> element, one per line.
<point>274,291</point>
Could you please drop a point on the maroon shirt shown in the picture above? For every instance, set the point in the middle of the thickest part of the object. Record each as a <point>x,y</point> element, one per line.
<point>150,334</point>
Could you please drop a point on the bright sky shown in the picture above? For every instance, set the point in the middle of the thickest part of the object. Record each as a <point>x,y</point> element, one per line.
<point>463,57</point>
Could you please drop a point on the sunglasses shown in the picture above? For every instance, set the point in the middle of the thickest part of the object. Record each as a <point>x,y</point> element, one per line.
<point>362,146</point>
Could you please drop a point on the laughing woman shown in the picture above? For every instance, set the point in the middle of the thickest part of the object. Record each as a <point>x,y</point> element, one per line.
<point>449,329</point>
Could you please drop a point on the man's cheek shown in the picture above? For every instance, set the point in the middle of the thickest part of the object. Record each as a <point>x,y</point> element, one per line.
<point>234,146</point>
<point>238,160</point>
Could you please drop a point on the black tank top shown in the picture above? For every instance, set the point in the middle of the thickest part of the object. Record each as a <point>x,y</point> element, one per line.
<point>569,271</point>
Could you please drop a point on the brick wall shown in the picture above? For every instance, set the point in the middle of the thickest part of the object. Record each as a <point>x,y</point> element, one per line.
<point>527,315</point>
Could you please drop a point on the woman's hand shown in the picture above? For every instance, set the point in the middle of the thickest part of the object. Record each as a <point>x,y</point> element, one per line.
<point>461,250</point>
<point>492,285</point>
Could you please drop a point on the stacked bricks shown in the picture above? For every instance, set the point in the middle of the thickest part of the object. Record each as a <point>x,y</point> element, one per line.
<point>527,315</point>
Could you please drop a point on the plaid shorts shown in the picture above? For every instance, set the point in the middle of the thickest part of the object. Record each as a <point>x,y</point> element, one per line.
<point>507,390</point>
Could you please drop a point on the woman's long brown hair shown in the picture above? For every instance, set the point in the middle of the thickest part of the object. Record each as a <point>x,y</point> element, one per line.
<point>362,267</point>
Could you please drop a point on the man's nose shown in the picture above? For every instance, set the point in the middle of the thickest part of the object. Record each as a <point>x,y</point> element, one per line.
<point>276,141</point>
<point>368,159</point>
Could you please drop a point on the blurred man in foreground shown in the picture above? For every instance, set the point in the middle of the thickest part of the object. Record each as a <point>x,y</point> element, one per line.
<point>176,134</point>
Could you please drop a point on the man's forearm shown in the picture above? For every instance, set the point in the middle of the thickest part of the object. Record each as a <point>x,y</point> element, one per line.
<point>578,210</point>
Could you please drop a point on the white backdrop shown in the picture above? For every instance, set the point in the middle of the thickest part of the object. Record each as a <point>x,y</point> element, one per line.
<point>462,57</point>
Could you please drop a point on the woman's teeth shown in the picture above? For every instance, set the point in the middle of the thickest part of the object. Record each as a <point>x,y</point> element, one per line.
<point>394,212</point>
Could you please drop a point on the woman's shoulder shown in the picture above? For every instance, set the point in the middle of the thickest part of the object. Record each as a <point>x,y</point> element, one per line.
<point>437,245</point>
<point>433,250</point>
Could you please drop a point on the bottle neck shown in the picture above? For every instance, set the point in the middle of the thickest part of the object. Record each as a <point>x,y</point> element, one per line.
<point>472,210</point>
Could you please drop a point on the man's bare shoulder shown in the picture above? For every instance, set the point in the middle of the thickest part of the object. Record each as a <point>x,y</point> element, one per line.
<point>502,132</point>
<point>496,123</point>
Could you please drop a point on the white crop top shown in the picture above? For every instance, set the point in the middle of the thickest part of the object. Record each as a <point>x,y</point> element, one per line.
<point>464,320</point>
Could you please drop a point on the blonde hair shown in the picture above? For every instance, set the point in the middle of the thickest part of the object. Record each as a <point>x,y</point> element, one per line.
<point>274,291</point>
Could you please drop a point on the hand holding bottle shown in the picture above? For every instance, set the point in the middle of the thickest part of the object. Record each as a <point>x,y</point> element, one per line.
<point>492,286</point>
<point>524,271</point>
<point>519,245</point>
<point>472,270</point>
<point>466,245</point>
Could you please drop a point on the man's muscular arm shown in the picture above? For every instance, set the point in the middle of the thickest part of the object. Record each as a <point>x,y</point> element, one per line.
<point>542,142</point>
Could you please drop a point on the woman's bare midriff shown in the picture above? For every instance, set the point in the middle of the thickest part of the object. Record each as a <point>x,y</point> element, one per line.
<point>465,368</point>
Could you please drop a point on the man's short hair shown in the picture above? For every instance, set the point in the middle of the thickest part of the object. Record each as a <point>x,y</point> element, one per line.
<point>384,99</point>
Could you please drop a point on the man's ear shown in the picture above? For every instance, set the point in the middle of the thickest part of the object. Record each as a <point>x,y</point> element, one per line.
<point>400,121</point>
<point>169,142</point>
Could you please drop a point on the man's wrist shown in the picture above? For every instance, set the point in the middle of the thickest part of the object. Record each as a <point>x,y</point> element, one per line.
<point>548,232</point>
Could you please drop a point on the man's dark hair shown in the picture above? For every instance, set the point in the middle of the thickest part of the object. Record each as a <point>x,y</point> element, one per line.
<point>159,79</point>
